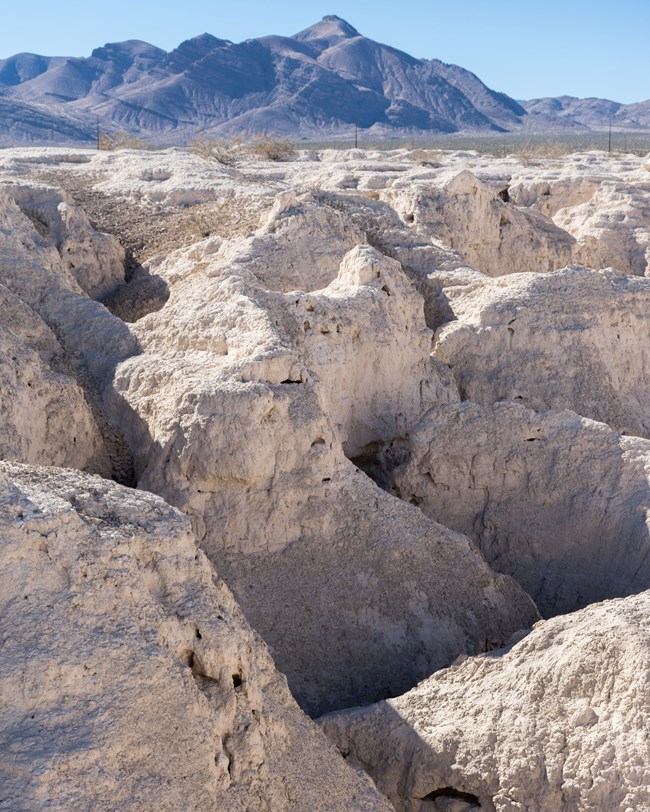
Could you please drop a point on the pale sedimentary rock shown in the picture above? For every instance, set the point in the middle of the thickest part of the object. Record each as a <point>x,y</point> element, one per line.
<point>94,260</point>
<point>557,721</point>
<point>34,270</point>
<point>575,339</point>
<point>605,213</point>
<point>240,412</point>
<point>129,678</point>
<point>478,220</point>
<point>45,417</point>
<point>557,501</point>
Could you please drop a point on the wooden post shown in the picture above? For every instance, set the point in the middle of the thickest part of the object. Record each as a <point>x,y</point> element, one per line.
<point>610,134</point>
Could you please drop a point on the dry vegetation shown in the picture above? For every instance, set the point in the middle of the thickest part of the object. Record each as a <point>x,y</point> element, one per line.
<point>121,140</point>
<point>229,151</point>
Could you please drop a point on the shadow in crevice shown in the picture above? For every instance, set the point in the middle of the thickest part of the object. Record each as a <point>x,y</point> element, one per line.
<point>378,460</point>
<point>424,774</point>
<point>143,293</point>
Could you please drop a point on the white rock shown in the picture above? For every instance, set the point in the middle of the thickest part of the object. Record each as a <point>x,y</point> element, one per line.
<point>239,411</point>
<point>558,721</point>
<point>129,678</point>
<point>576,339</point>
<point>560,503</point>
<point>94,260</point>
<point>45,417</point>
<point>478,220</point>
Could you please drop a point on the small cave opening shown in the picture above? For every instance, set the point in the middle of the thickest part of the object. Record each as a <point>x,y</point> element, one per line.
<point>504,195</point>
<point>368,460</point>
<point>451,800</point>
<point>377,460</point>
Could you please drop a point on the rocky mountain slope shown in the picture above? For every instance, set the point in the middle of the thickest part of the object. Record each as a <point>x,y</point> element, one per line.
<point>318,84</point>
<point>591,114</point>
<point>283,438</point>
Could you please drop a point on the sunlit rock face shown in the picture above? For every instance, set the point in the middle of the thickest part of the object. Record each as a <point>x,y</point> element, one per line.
<point>556,721</point>
<point>398,427</point>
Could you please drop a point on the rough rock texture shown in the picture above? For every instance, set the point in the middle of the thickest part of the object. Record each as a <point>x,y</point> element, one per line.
<point>574,339</point>
<point>266,356</point>
<point>478,220</point>
<point>557,501</point>
<point>558,721</point>
<point>595,224</point>
<point>45,417</point>
<point>94,260</point>
<point>129,678</point>
<point>310,376</point>
<point>34,270</point>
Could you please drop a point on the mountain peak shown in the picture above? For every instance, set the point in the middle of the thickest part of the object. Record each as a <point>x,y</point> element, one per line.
<point>330,30</point>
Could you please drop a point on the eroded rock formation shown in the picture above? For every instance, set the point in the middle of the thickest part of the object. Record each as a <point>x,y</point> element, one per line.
<point>276,336</point>
<point>557,721</point>
<point>129,677</point>
<point>554,499</point>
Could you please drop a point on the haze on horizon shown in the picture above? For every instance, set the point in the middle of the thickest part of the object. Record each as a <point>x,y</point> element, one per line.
<point>577,49</point>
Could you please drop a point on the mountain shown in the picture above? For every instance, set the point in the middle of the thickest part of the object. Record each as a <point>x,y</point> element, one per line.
<point>591,114</point>
<point>316,85</point>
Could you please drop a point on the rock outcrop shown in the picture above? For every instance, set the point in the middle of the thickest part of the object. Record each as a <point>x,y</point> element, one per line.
<point>45,417</point>
<point>129,678</point>
<point>557,721</point>
<point>298,357</point>
<point>575,339</point>
<point>555,500</point>
<point>311,547</point>
<point>478,220</point>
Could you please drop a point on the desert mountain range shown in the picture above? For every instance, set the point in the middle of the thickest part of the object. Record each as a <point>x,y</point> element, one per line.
<point>318,84</point>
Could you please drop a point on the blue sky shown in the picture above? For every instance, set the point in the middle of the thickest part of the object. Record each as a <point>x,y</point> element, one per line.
<point>526,49</point>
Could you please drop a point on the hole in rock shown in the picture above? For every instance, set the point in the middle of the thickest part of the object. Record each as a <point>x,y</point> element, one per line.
<point>318,441</point>
<point>237,681</point>
<point>504,195</point>
<point>289,380</point>
<point>142,294</point>
<point>448,798</point>
<point>378,460</point>
<point>326,479</point>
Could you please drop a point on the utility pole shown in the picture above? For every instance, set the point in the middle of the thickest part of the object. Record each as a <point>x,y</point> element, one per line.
<point>610,134</point>
<point>98,140</point>
<point>356,136</point>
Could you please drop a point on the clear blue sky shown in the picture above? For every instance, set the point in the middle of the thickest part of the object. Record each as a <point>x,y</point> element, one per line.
<point>524,48</point>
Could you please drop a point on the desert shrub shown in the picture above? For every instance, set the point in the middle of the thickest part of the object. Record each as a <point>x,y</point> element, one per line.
<point>273,149</point>
<point>120,140</point>
<point>223,150</point>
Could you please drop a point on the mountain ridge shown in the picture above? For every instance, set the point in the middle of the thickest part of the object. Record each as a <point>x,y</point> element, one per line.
<point>317,84</point>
